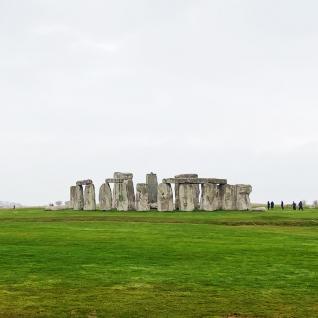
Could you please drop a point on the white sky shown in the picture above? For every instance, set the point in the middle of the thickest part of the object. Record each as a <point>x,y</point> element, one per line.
<point>220,88</point>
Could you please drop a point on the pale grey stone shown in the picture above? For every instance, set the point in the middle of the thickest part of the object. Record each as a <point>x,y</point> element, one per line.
<point>154,206</point>
<point>72,196</point>
<point>186,175</point>
<point>122,196</point>
<point>165,197</point>
<point>55,208</point>
<point>105,197</point>
<point>188,200</point>
<point>193,180</point>
<point>210,198</point>
<point>235,197</point>
<point>152,184</point>
<point>84,182</point>
<point>79,198</point>
<point>89,198</point>
<point>117,180</point>
<point>142,197</point>
<point>228,197</point>
<point>259,209</point>
<point>243,192</point>
<point>177,187</point>
<point>128,189</point>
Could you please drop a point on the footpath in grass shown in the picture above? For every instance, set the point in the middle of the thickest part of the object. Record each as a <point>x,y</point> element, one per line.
<point>59,264</point>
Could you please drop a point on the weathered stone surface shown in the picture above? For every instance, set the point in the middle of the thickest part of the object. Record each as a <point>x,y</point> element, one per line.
<point>154,206</point>
<point>152,184</point>
<point>227,197</point>
<point>186,175</point>
<point>142,197</point>
<point>243,192</point>
<point>259,209</point>
<point>105,197</point>
<point>89,198</point>
<point>123,198</point>
<point>116,180</point>
<point>84,182</point>
<point>72,197</point>
<point>210,199</point>
<point>123,190</point>
<point>177,186</point>
<point>79,198</point>
<point>195,180</point>
<point>235,197</point>
<point>188,197</point>
<point>55,208</point>
<point>165,197</point>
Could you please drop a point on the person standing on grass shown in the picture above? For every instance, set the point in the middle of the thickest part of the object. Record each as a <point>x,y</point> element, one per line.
<point>300,206</point>
<point>282,205</point>
<point>294,206</point>
<point>268,205</point>
<point>272,205</point>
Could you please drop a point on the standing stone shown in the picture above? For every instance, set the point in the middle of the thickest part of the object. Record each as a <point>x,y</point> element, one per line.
<point>196,186</point>
<point>129,188</point>
<point>105,197</point>
<point>89,198</point>
<point>152,184</point>
<point>243,192</point>
<point>187,197</point>
<point>165,197</point>
<point>210,200</point>
<point>72,197</point>
<point>228,197</point>
<point>79,198</point>
<point>122,197</point>
<point>142,197</point>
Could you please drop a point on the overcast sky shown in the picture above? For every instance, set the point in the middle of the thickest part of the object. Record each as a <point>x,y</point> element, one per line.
<point>221,88</point>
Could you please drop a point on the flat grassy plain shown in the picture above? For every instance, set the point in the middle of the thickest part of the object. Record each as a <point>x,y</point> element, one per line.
<point>150,264</point>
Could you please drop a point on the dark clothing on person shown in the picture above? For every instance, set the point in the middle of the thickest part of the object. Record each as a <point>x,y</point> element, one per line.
<point>282,205</point>
<point>272,205</point>
<point>268,205</point>
<point>300,206</point>
<point>294,206</point>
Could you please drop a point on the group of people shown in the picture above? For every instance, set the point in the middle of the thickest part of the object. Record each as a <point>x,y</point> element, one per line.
<point>271,205</point>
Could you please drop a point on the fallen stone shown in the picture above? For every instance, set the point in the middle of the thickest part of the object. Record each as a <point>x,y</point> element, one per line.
<point>259,209</point>
<point>55,208</point>
<point>154,206</point>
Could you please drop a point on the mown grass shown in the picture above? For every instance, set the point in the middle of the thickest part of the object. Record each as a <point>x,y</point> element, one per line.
<point>97,264</point>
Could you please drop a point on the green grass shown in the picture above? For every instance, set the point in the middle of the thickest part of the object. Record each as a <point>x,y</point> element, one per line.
<point>111,264</point>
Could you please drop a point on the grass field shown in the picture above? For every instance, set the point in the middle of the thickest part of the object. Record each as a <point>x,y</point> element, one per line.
<point>111,264</point>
